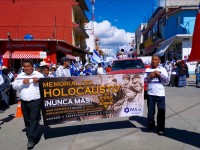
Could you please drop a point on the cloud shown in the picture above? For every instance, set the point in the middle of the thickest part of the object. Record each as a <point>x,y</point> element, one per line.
<point>99,17</point>
<point>110,36</point>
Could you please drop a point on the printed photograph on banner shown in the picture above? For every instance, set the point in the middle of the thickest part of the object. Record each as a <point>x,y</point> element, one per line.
<point>91,97</point>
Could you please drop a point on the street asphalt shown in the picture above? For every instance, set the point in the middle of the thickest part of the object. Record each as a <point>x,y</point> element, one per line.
<point>182,129</point>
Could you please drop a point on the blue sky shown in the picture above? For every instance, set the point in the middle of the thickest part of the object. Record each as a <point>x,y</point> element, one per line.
<point>124,14</point>
<point>117,20</point>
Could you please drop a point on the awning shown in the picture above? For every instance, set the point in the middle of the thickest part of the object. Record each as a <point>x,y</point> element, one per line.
<point>23,54</point>
<point>72,57</point>
<point>164,46</point>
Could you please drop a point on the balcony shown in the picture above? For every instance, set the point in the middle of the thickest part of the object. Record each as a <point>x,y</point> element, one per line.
<point>156,37</point>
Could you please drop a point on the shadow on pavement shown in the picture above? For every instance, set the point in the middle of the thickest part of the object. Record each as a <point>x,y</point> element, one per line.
<point>184,136</point>
<point>71,130</point>
<point>8,119</point>
<point>140,120</point>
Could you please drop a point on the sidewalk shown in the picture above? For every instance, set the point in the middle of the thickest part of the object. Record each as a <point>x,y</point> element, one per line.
<point>182,129</point>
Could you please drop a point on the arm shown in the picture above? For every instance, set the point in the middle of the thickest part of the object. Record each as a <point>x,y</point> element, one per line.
<point>163,76</point>
<point>1,80</point>
<point>149,75</point>
<point>17,84</point>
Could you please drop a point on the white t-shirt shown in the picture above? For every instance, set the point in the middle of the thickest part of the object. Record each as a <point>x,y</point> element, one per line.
<point>100,70</point>
<point>27,92</point>
<point>62,72</point>
<point>156,85</point>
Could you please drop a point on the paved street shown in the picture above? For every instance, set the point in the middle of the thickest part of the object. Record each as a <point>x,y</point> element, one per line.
<point>182,127</point>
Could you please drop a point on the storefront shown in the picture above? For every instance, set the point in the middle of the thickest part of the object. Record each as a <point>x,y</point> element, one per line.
<point>13,52</point>
<point>177,47</point>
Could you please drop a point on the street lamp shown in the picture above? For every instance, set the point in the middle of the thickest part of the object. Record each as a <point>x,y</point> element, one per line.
<point>9,48</point>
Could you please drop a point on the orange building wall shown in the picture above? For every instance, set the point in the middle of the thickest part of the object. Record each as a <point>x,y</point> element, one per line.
<point>44,19</point>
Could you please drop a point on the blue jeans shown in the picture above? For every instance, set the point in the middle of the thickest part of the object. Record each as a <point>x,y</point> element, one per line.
<point>151,104</point>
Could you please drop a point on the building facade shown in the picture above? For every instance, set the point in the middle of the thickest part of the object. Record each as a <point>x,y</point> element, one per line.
<point>169,31</point>
<point>57,28</point>
<point>139,38</point>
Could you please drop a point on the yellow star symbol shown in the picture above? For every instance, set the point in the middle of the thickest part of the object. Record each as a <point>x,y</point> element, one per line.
<point>106,100</point>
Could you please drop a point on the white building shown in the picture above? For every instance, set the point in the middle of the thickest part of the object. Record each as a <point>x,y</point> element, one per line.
<point>170,3</point>
<point>139,38</point>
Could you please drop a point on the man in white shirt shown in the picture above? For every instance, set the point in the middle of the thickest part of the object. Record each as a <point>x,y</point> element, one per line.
<point>157,77</point>
<point>64,69</point>
<point>27,85</point>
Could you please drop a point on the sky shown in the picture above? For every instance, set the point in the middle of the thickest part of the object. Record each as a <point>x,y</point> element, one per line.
<point>117,20</point>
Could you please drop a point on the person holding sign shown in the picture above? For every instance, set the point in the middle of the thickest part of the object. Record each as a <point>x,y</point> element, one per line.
<point>27,85</point>
<point>157,77</point>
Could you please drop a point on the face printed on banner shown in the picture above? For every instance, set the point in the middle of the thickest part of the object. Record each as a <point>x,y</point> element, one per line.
<point>126,80</point>
<point>130,93</point>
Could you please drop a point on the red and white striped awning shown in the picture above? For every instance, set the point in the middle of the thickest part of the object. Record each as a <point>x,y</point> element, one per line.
<point>23,54</point>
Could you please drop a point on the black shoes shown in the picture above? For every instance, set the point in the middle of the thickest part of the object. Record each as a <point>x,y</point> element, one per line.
<point>161,133</point>
<point>30,144</point>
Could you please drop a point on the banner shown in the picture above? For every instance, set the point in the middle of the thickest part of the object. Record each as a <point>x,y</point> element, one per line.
<point>91,97</point>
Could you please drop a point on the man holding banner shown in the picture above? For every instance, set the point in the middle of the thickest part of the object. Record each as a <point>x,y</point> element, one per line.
<point>27,85</point>
<point>157,77</point>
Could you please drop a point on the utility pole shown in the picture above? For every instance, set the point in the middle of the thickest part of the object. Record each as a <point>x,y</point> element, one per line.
<point>9,48</point>
<point>92,2</point>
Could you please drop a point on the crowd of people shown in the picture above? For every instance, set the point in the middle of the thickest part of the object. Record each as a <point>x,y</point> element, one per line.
<point>26,83</point>
<point>178,72</point>
<point>64,68</point>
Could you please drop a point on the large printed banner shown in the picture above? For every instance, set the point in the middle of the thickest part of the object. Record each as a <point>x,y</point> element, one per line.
<point>91,97</point>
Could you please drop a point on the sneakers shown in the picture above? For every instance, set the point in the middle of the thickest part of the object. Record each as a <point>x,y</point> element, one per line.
<point>161,133</point>
<point>30,144</point>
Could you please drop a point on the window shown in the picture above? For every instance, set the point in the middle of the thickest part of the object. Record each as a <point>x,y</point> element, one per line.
<point>127,64</point>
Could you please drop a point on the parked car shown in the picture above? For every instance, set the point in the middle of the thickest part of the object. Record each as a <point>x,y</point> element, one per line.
<point>129,66</point>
